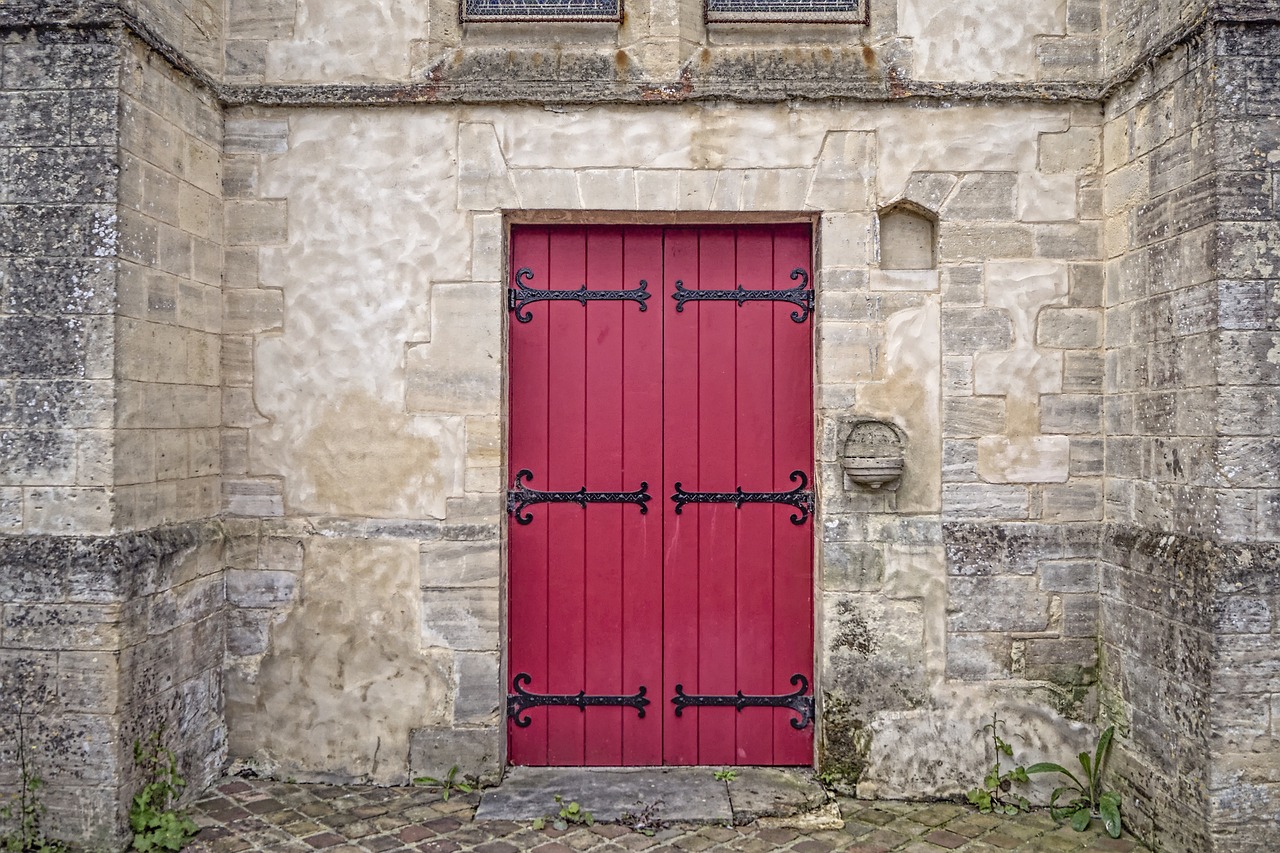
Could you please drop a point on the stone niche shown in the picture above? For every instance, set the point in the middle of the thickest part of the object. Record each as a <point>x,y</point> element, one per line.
<point>907,238</point>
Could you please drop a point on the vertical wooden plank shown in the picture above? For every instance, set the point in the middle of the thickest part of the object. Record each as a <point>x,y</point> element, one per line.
<point>641,384</point>
<point>717,471</point>
<point>755,473</point>
<point>604,522</point>
<point>680,464</point>
<point>527,566</point>
<point>566,471</point>
<point>793,450</point>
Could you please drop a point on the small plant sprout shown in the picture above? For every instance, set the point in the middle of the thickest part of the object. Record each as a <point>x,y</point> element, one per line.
<point>153,815</point>
<point>726,774</point>
<point>996,792</point>
<point>447,785</point>
<point>1087,798</point>
<point>569,813</point>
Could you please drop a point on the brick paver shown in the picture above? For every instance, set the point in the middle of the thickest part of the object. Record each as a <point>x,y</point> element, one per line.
<point>252,815</point>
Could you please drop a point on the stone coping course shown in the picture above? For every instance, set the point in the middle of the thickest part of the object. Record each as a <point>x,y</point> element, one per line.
<point>249,815</point>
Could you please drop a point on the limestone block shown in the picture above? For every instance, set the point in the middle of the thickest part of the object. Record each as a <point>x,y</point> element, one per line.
<point>487,258</point>
<point>252,311</point>
<point>253,498</point>
<point>969,417</point>
<point>844,352</point>
<point>478,691</point>
<point>11,510</point>
<point>259,588</point>
<point>1075,150</point>
<point>66,511</point>
<point>851,566</point>
<point>978,657</point>
<point>845,240</point>
<point>88,682</point>
<point>697,189</point>
<point>959,461</point>
<point>1078,500</point>
<point>902,279</point>
<point>930,189</point>
<point>957,376</point>
<point>1038,459</point>
<point>959,242</point>
<point>657,189</point>
<point>557,189</point>
<point>1087,457</point>
<point>475,752</point>
<point>1046,198</point>
<point>85,627</point>
<point>1071,413</point>
<point>980,500</point>
<point>240,267</point>
<point>983,196</point>
<point>608,189</point>
<point>774,189</point>
<point>462,619</point>
<point>455,564</point>
<point>459,371</point>
<point>483,179</point>
<point>262,222</point>
<point>1080,576</point>
<point>996,603</point>
<point>1070,241</point>
<point>842,178</point>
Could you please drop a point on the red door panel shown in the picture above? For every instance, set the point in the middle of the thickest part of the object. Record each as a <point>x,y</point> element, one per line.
<point>618,394</point>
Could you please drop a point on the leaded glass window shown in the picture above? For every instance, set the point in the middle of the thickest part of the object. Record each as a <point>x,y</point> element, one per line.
<point>541,10</point>
<point>793,11</point>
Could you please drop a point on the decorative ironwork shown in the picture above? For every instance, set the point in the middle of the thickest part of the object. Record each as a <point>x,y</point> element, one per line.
<point>789,11</point>
<point>541,10</point>
<point>522,700</point>
<point>799,497</point>
<point>799,295</point>
<point>798,701</point>
<point>521,295</point>
<point>521,496</point>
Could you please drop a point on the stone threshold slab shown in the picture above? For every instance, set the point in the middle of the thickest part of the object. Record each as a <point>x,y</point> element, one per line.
<point>681,794</point>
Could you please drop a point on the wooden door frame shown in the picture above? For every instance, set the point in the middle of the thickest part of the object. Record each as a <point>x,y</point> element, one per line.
<point>673,218</point>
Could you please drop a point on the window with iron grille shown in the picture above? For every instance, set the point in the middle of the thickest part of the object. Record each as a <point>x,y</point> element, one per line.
<point>789,11</point>
<point>541,10</point>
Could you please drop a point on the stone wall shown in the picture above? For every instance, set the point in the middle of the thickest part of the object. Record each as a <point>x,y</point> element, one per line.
<point>1190,449</point>
<point>169,314</point>
<point>106,636</point>
<point>364,408</point>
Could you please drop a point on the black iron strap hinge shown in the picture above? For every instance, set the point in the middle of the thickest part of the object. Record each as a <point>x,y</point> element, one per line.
<point>799,497</point>
<point>522,700</point>
<point>521,295</point>
<point>521,496</point>
<point>799,702</point>
<point>799,295</point>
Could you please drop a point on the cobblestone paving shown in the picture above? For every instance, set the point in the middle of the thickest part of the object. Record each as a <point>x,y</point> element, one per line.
<point>250,815</point>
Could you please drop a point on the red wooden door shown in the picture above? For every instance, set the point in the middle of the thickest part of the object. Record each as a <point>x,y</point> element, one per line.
<point>661,445</point>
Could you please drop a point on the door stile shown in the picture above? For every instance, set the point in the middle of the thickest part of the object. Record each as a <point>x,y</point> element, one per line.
<point>528,543</point>
<point>793,554</point>
<point>680,628</point>
<point>642,545</point>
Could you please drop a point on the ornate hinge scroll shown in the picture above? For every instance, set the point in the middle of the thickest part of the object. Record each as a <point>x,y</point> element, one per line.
<point>521,295</point>
<point>799,295</point>
<point>522,700</point>
<point>799,497</point>
<point>521,496</point>
<point>798,701</point>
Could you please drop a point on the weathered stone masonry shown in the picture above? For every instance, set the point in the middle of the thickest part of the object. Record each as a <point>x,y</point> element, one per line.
<point>252,384</point>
